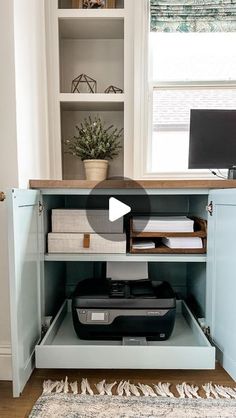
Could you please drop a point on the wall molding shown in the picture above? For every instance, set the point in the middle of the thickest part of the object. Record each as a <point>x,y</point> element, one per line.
<point>5,362</point>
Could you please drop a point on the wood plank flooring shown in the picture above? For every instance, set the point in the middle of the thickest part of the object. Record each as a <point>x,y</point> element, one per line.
<point>20,407</point>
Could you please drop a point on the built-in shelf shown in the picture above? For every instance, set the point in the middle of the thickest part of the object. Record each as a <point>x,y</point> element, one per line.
<point>95,102</point>
<point>75,5</point>
<point>189,258</point>
<point>91,13</point>
<point>91,24</point>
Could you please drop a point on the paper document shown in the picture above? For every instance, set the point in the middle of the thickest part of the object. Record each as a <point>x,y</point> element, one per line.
<point>163,224</point>
<point>127,270</point>
<point>191,242</point>
<point>143,245</point>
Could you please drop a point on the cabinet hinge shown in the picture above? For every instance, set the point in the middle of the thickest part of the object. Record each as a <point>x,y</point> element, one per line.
<point>207,332</point>
<point>46,323</point>
<point>43,330</point>
<point>40,207</point>
<point>205,328</point>
<point>209,208</point>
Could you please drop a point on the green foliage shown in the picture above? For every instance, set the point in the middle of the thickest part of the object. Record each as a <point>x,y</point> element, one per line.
<point>94,141</point>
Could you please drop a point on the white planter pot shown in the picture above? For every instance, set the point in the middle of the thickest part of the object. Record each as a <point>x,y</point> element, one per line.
<point>96,170</point>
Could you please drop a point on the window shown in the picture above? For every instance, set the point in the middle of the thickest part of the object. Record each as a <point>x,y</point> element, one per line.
<point>186,71</point>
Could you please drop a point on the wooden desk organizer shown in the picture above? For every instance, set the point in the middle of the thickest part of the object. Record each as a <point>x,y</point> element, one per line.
<point>200,230</point>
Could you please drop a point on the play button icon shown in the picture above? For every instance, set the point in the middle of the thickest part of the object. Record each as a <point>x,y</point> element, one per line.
<point>117,209</point>
<point>120,199</point>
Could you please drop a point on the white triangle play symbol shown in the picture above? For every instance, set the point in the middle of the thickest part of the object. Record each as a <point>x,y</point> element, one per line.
<point>117,209</point>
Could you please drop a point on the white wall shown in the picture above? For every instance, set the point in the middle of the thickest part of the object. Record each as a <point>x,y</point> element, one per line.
<point>23,125</point>
<point>31,90</point>
<point>8,169</point>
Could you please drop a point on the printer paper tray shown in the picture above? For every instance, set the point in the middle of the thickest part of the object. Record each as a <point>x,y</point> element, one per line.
<point>187,348</point>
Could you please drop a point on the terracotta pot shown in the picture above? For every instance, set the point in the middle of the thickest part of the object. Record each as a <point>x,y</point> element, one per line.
<point>96,170</point>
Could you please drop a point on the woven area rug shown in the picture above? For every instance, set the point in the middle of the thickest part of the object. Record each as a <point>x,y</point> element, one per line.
<point>62,399</point>
<point>86,406</point>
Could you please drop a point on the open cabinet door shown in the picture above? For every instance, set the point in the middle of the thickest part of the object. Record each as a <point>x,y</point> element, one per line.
<point>24,282</point>
<point>221,276</point>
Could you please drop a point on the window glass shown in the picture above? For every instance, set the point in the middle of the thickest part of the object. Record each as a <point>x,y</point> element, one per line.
<point>193,56</point>
<point>193,61</point>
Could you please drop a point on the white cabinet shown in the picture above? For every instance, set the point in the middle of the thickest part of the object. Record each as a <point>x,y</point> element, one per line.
<point>41,285</point>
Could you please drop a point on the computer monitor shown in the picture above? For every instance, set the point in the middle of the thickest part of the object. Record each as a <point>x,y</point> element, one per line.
<point>212,139</point>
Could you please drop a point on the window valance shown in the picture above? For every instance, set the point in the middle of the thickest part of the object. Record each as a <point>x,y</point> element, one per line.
<point>193,15</point>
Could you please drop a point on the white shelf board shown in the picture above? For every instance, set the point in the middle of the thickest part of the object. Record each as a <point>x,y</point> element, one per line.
<point>179,258</point>
<point>91,13</point>
<point>91,24</point>
<point>96,102</point>
<point>133,192</point>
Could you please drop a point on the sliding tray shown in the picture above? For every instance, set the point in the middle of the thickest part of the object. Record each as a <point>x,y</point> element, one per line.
<point>187,348</point>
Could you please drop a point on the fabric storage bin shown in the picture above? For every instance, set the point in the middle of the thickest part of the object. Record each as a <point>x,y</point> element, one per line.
<point>85,243</point>
<point>76,220</point>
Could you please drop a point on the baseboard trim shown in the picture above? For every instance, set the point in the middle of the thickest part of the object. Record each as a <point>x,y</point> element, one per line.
<point>5,362</point>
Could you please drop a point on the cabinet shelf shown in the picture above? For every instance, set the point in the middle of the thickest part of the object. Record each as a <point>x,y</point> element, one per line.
<point>91,24</point>
<point>189,258</point>
<point>96,102</point>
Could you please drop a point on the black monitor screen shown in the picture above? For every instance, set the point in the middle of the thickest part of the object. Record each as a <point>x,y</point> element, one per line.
<point>212,141</point>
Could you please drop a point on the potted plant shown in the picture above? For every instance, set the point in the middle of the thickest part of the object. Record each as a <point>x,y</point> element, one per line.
<point>95,144</point>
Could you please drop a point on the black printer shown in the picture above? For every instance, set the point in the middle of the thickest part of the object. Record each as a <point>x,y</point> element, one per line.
<point>109,310</point>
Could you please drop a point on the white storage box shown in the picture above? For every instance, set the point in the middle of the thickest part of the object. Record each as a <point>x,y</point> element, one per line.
<point>85,243</point>
<point>75,220</point>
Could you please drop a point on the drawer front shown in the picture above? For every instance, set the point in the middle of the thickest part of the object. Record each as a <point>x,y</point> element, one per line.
<point>120,357</point>
<point>73,220</point>
<point>80,243</point>
<point>187,348</point>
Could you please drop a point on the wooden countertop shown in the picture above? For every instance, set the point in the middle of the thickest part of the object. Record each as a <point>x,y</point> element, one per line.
<point>147,184</point>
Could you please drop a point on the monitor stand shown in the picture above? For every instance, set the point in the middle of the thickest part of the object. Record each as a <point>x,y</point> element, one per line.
<point>232,173</point>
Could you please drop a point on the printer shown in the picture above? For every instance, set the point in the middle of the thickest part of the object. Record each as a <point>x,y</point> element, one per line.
<point>105,309</point>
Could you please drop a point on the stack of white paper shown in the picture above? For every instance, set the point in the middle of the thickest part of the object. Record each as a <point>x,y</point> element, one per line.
<point>127,270</point>
<point>176,242</point>
<point>163,224</point>
<point>143,245</point>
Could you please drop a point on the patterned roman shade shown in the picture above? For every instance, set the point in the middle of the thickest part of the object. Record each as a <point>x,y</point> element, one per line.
<point>193,15</point>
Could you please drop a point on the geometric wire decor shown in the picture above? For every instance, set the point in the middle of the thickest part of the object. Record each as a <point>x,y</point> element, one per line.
<point>83,84</point>
<point>113,89</point>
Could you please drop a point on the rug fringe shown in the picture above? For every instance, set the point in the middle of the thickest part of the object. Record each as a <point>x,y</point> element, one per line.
<point>125,388</point>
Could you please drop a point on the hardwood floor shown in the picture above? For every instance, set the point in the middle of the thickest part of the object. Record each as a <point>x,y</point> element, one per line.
<point>20,407</point>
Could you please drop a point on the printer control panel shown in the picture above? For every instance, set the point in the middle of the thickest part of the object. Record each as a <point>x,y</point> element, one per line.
<point>88,316</point>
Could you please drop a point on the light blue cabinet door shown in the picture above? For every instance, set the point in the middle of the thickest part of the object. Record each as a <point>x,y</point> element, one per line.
<point>24,282</point>
<point>221,276</point>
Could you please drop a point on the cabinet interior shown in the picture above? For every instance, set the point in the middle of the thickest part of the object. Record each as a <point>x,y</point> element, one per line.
<point>187,278</point>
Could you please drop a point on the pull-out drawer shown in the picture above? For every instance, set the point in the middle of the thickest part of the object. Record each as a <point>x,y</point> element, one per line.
<point>187,348</point>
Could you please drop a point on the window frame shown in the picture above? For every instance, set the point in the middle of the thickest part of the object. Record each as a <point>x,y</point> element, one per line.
<point>143,102</point>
